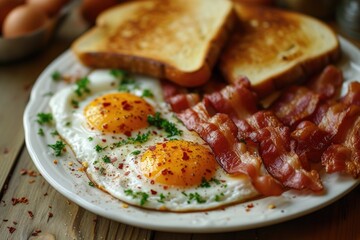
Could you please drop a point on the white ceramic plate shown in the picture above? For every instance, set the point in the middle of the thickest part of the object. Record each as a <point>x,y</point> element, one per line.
<point>73,184</point>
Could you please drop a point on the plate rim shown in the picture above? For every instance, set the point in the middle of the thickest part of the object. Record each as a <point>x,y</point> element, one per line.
<point>351,50</point>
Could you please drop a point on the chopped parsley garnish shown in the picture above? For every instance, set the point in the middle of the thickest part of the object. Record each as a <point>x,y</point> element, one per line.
<point>102,170</point>
<point>218,197</point>
<point>106,159</point>
<point>91,184</point>
<point>206,184</point>
<point>140,138</point>
<point>74,103</point>
<point>56,76</point>
<point>44,118</point>
<point>142,195</point>
<point>196,196</point>
<point>126,80</point>
<point>99,148</point>
<point>90,139</point>
<point>54,133</point>
<point>147,93</point>
<point>58,147</point>
<point>117,73</point>
<point>162,123</point>
<point>162,198</point>
<point>48,94</point>
<point>41,132</point>
<point>137,152</point>
<point>67,124</point>
<point>82,86</point>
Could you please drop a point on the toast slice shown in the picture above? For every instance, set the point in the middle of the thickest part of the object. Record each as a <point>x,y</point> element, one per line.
<point>179,40</point>
<point>275,48</point>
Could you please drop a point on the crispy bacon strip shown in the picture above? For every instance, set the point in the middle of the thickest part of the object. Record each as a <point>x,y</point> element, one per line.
<point>311,142</point>
<point>296,104</point>
<point>299,103</point>
<point>327,83</point>
<point>235,157</point>
<point>278,157</point>
<point>344,154</point>
<point>238,101</point>
<point>181,102</point>
<point>333,135</point>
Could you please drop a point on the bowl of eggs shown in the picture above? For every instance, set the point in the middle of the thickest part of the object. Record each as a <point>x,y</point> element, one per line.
<point>26,26</point>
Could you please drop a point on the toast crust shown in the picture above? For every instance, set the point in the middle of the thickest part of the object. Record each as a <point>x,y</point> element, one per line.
<point>156,40</point>
<point>275,48</point>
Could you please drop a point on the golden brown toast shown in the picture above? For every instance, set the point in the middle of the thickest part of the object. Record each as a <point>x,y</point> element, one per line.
<point>179,40</point>
<point>275,48</point>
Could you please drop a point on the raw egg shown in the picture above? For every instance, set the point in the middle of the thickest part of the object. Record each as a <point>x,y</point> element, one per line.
<point>51,8</point>
<point>5,7</point>
<point>23,20</point>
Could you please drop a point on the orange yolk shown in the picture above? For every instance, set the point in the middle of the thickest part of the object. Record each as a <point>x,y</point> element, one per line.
<point>118,113</point>
<point>178,163</point>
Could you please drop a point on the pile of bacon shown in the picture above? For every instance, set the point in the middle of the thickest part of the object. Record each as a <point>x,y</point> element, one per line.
<point>278,147</point>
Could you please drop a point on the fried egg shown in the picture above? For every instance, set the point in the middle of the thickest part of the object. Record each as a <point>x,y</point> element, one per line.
<point>134,147</point>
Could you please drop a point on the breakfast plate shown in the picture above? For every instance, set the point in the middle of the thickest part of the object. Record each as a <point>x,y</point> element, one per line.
<point>65,174</point>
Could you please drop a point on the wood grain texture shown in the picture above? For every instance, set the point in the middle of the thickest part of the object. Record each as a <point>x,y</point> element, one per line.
<point>53,214</point>
<point>50,215</point>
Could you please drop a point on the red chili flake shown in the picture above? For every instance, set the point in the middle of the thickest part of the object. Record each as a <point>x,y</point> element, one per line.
<point>15,223</point>
<point>127,133</point>
<point>23,171</point>
<point>45,194</point>
<point>165,187</point>
<point>121,166</point>
<point>164,172</point>
<point>103,140</point>
<point>50,215</point>
<point>152,148</point>
<point>139,176</point>
<point>127,173</point>
<point>164,145</point>
<point>137,101</point>
<point>19,200</point>
<point>183,170</point>
<point>250,205</point>
<point>11,229</point>
<point>106,104</point>
<point>153,192</point>
<point>5,220</point>
<point>185,156</point>
<point>6,150</point>
<point>105,126</point>
<point>36,232</point>
<point>152,182</point>
<point>32,173</point>
<point>126,106</point>
<point>31,214</point>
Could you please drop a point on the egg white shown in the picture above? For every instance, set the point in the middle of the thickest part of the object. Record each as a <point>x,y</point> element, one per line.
<point>122,177</point>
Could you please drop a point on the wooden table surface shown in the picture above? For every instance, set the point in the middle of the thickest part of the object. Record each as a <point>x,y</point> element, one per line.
<point>50,215</point>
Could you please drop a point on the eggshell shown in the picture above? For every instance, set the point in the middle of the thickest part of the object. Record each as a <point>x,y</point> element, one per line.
<point>5,7</point>
<point>23,20</point>
<point>50,7</point>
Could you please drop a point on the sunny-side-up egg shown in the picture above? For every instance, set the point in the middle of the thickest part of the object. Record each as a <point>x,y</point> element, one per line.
<point>136,149</point>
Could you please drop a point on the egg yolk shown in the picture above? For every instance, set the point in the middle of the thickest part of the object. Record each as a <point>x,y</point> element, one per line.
<point>118,113</point>
<point>178,163</point>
